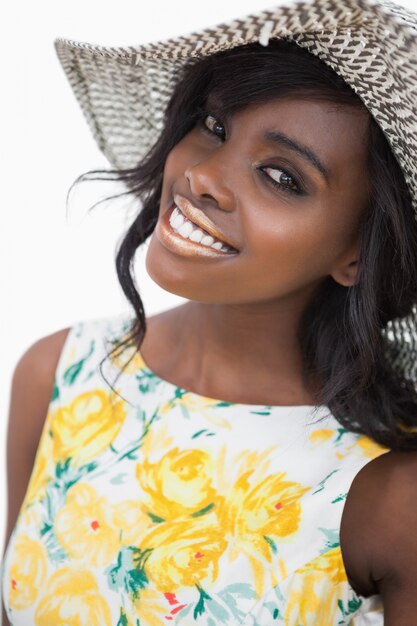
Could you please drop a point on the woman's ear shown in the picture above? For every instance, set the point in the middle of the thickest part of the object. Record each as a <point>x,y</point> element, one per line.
<point>346,269</point>
<point>346,274</point>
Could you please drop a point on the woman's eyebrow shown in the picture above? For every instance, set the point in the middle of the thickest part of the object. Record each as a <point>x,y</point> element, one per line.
<point>308,154</point>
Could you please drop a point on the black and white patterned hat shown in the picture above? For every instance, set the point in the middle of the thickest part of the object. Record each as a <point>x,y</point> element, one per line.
<point>372,45</point>
<point>123,91</point>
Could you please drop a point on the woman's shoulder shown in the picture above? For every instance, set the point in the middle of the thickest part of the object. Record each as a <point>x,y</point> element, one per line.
<point>33,375</point>
<point>380,545</point>
<point>41,360</point>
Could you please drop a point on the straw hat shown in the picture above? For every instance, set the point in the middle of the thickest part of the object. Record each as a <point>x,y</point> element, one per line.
<point>123,91</point>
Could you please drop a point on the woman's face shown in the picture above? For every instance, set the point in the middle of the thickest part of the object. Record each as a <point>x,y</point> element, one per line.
<point>290,202</point>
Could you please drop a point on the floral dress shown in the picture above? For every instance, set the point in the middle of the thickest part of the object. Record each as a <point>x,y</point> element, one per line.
<point>150,505</point>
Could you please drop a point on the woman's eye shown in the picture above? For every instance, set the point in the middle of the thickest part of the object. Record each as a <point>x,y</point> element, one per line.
<point>282,179</point>
<point>212,126</point>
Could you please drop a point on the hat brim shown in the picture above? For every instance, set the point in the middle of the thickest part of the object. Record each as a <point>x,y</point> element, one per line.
<point>123,91</point>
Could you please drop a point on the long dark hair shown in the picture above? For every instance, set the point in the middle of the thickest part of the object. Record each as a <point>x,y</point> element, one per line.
<point>342,331</point>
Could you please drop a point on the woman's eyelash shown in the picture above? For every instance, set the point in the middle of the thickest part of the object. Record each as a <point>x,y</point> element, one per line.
<point>272,181</point>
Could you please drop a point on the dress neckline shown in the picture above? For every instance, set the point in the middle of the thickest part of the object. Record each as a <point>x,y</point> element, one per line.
<point>298,408</point>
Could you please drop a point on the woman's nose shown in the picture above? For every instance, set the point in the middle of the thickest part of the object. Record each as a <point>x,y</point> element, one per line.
<point>208,181</point>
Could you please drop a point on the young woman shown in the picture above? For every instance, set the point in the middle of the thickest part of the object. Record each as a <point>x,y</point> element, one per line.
<point>248,457</point>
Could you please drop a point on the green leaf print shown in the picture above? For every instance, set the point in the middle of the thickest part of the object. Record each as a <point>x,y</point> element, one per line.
<point>55,392</point>
<point>341,431</point>
<point>239,590</point>
<point>140,415</point>
<point>339,498</point>
<point>148,382</point>
<point>122,619</point>
<point>72,373</point>
<point>274,611</point>
<point>119,479</point>
<point>218,611</point>
<point>201,432</point>
<point>132,456</point>
<point>271,544</point>
<point>232,593</point>
<point>66,476</point>
<point>332,539</point>
<point>200,606</point>
<point>322,482</point>
<point>203,511</point>
<point>353,606</point>
<point>62,467</point>
<point>56,552</point>
<point>155,518</point>
<point>279,595</point>
<point>129,571</point>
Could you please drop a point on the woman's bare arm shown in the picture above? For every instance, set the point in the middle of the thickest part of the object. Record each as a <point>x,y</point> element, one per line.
<point>31,391</point>
<point>379,527</point>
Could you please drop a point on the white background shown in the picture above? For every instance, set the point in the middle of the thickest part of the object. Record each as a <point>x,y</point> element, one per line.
<point>56,269</point>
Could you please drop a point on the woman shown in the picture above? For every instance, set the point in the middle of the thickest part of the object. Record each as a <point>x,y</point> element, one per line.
<point>193,467</point>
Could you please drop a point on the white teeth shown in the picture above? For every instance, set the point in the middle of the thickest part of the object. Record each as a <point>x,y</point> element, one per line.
<point>188,230</point>
<point>197,235</point>
<point>177,220</point>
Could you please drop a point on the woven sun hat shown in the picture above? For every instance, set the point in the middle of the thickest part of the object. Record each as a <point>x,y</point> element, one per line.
<point>123,91</point>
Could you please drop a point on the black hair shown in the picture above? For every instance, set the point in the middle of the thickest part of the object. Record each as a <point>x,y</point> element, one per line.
<point>342,332</point>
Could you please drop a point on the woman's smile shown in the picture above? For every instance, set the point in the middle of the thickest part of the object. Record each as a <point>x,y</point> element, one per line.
<point>180,235</point>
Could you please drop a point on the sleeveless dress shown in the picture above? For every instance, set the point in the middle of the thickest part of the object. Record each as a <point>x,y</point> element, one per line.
<point>150,505</point>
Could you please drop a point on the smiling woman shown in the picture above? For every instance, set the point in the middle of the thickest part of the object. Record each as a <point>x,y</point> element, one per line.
<point>229,461</point>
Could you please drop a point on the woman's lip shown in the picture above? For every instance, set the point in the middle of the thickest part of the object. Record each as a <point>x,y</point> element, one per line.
<point>202,221</point>
<point>174,242</point>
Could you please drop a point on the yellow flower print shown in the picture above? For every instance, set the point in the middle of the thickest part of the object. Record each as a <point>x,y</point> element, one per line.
<point>366,447</point>
<point>202,405</point>
<point>370,448</point>
<point>84,527</point>
<point>321,435</point>
<point>27,572</point>
<point>88,425</point>
<point>178,484</point>
<point>130,521</point>
<point>72,599</point>
<point>158,440</point>
<point>152,609</point>
<point>121,359</point>
<point>269,508</point>
<point>43,469</point>
<point>30,516</point>
<point>184,554</point>
<point>315,591</point>
<point>255,514</point>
